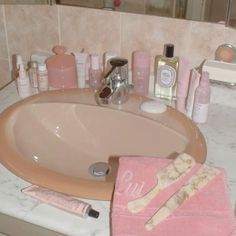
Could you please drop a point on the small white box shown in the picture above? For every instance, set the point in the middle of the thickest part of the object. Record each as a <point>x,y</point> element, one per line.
<point>220,71</point>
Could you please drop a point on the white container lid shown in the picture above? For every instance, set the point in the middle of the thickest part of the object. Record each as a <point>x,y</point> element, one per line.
<point>220,71</point>
<point>42,67</point>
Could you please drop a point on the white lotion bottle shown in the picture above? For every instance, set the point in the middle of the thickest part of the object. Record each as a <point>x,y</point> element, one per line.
<point>42,77</point>
<point>194,83</point>
<point>202,100</point>
<point>23,83</point>
<point>81,64</point>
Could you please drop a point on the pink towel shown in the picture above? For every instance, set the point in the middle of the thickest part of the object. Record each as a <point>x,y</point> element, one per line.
<point>207,213</point>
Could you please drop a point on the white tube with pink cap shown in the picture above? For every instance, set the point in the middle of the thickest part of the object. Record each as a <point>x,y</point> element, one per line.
<point>61,201</point>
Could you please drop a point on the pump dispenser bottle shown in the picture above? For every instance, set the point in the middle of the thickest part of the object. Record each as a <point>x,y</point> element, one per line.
<point>166,71</point>
<point>95,73</point>
<point>23,82</point>
<point>202,99</point>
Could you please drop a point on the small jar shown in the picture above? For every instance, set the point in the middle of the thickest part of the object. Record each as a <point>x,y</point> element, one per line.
<point>42,77</point>
<point>225,53</point>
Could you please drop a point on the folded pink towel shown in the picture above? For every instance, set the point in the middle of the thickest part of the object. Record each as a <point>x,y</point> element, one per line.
<point>207,213</point>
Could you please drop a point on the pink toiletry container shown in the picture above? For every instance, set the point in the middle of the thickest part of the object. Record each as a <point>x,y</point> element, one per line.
<point>61,69</point>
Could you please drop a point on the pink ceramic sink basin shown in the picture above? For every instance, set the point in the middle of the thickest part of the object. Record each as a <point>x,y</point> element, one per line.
<point>63,141</point>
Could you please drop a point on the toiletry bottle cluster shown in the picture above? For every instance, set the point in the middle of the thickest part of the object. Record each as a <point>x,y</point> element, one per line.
<point>60,71</point>
<point>165,73</point>
<point>172,79</point>
<point>32,79</point>
<point>190,89</point>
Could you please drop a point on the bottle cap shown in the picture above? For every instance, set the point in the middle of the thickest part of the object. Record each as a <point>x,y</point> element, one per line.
<point>95,62</point>
<point>34,64</point>
<point>42,67</point>
<point>93,213</point>
<point>169,50</point>
<point>19,61</point>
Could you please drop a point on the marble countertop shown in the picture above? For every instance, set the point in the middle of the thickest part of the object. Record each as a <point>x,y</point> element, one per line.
<point>220,135</point>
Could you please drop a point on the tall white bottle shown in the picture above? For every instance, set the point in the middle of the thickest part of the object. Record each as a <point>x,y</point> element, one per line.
<point>202,100</point>
<point>23,83</point>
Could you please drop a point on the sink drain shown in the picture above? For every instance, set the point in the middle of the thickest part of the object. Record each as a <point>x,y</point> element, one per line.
<point>99,169</point>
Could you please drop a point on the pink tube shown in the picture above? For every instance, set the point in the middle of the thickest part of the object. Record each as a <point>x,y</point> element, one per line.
<point>61,201</point>
<point>182,84</point>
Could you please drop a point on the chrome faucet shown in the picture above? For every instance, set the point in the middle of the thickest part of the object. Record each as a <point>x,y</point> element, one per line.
<point>115,88</point>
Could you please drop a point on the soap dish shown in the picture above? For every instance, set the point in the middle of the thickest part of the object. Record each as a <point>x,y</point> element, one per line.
<point>220,71</point>
<point>153,106</point>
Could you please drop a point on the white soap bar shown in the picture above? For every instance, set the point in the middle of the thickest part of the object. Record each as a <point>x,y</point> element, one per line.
<point>220,71</point>
<point>153,107</point>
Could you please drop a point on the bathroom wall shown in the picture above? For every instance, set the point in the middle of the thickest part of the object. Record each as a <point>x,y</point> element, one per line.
<point>25,28</point>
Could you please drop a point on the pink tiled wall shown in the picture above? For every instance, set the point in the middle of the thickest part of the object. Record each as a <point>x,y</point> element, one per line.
<point>24,29</point>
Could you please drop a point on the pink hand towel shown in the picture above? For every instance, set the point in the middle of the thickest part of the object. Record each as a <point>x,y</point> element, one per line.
<point>207,213</point>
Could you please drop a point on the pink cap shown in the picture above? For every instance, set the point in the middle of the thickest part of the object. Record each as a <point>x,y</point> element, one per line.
<point>95,62</point>
<point>141,58</point>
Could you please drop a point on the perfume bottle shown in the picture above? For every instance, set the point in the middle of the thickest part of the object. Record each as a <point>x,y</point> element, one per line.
<point>166,72</point>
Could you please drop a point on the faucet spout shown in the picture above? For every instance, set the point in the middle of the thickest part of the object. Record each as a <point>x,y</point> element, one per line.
<point>116,88</point>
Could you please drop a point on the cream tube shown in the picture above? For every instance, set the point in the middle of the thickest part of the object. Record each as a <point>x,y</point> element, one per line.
<point>61,201</point>
<point>194,82</point>
<point>81,65</point>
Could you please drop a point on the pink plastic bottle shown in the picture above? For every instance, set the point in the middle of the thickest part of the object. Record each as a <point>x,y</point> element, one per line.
<point>61,69</point>
<point>141,72</point>
<point>202,99</point>
<point>182,84</point>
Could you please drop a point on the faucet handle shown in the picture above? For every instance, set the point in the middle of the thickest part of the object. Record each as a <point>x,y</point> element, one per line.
<point>119,63</point>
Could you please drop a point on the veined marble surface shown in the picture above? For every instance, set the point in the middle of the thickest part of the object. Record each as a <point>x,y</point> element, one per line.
<point>220,134</point>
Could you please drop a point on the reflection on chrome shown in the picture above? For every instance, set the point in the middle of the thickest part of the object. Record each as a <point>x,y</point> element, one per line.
<point>36,159</point>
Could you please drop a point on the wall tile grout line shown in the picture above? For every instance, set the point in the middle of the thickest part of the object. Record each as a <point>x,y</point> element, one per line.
<point>59,24</point>
<point>120,33</point>
<point>7,44</point>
